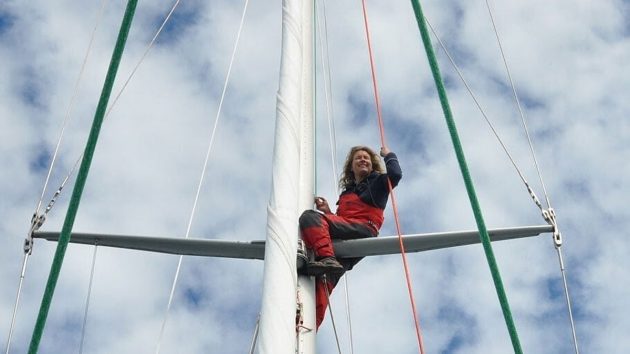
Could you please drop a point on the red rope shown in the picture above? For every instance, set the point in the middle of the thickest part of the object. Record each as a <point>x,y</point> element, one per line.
<point>389,184</point>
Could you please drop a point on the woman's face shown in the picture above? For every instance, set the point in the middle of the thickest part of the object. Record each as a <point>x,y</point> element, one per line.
<point>361,164</point>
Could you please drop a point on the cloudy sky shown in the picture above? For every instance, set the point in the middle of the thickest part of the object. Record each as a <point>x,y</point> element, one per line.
<point>568,60</point>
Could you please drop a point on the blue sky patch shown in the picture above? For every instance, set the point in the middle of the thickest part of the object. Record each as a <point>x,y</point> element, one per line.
<point>30,89</point>
<point>464,334</point>
<point>41,160</point>
<point>193,296</point>
<point>554,288</point>
<point>361,110</point>
<point>183,18</point>
<point>410,135</point>
<point>6,22</point>
<point>578,187</point>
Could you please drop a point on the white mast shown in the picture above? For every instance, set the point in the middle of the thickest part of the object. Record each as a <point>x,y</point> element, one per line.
<point>292,182</point>
<point>305,340</point>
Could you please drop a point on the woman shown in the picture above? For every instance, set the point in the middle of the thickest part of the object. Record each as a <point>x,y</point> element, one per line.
<point>359,215</point>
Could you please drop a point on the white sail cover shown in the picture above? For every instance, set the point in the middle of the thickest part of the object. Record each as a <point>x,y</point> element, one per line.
<point>290,187</point>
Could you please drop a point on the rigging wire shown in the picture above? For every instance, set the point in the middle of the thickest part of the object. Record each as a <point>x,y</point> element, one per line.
<point>518,104</point>
<point>146,51</point>
<point>87,300</point>
<point>393,197</point>
<point>325,60</point>
<point>474,97</point>
<point>483,232</point>
<point>549,213</point>
<point>348,317</point>
<point>332,318</point>
<point>37,219</point>
<point>203,173</point>
<point>75,93</point>
<point>75,199</point>
<point>487,119</point>
<point>568,299</point>
<point>17,301</point>
<point>485,116</point>
<point>115,100</point>
<point>252,347</point>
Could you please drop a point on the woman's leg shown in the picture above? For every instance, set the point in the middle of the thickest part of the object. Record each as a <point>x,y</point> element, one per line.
<point>315,233</point>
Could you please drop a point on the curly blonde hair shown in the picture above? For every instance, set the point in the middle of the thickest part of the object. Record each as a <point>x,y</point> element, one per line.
<point>347,176</point>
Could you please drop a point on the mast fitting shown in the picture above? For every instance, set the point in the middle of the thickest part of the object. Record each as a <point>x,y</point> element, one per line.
<point>534,197</point>
<point>36,222</point>
<point>550,217</point>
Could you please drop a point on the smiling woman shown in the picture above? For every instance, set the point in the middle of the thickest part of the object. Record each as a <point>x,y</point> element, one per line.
<point>359,215</point>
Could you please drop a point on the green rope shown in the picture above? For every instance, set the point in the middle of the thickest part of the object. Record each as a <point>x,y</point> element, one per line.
<point>483,232</point>
<point>64,238</point>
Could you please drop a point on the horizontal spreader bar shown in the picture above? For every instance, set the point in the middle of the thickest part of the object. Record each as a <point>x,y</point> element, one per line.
<point>256,249</point>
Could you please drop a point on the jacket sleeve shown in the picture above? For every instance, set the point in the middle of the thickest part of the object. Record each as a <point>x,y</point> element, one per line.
<point>393,168</point>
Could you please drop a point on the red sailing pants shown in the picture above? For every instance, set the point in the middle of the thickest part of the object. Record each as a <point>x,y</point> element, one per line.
<point>318,231</point>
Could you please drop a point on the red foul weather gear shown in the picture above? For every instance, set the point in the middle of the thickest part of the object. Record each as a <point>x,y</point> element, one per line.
<point>359,215</point>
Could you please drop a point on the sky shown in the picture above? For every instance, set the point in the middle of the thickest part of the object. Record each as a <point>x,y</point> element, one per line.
<point>566,59</point>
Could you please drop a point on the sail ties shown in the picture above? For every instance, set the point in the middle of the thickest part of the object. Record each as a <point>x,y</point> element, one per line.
<point>389,184</point>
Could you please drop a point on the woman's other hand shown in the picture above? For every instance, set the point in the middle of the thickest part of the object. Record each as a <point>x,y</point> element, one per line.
<point>322,205</point>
